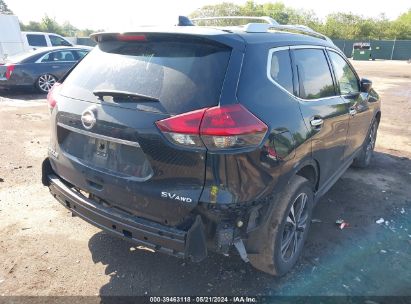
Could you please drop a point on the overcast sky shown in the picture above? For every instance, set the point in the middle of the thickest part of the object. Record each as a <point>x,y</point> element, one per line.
<point>124,14</point>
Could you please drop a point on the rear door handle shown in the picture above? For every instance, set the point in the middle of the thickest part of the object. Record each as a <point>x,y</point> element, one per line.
<point>316,122</point>
<point>352,111</point>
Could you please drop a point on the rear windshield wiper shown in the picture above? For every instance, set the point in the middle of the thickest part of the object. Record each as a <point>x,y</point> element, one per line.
<point>123,95</point>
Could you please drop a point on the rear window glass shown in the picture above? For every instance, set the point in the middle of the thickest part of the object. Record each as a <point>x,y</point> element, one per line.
<point>81,53</point>
<point>313,74</point>
<point>59,56</point>
<point>281,71</point>
<point>58,41</point>
<point>182,75</point>
<point>346,78</point>
<point>36,40</point>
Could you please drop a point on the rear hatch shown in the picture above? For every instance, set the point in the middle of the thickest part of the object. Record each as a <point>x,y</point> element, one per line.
<point>106,141</point>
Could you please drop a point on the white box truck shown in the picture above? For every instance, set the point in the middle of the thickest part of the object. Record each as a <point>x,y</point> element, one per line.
<point>11,41</point>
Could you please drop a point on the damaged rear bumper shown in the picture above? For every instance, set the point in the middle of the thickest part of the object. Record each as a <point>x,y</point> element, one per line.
<point>184,244</point>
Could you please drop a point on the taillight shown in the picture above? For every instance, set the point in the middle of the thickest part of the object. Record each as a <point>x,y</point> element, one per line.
<point>183,129</point>
<point>9,70</point>
<point>216,128</point>
<point>231,126</point>
<point>51,96</point>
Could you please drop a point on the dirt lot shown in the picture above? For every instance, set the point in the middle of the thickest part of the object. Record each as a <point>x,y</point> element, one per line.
<point>45,251</point>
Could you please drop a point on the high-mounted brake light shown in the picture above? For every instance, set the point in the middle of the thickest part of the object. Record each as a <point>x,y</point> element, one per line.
<point>51,96</point>
<point>9,70</point>
<point>217,128</point>
<point>123,37</point>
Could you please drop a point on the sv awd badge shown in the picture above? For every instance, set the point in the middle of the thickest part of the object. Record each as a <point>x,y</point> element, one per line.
<point>174,196</point>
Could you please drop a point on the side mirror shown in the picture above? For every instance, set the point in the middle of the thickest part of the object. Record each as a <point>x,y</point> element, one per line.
<point>366,85</point>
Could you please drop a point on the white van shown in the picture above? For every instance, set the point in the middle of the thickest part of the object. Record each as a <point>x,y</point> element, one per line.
<point>35,40</point>
<point>11,41</point>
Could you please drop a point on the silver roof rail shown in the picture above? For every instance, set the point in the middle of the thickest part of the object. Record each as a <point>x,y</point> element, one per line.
<point>270,24</point>
<point>267,19</point>
<point>299,28</point>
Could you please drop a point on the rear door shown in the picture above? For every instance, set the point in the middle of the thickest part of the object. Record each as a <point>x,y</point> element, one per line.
<point>57,63</point>
<point>109,145</point>
<point>324,112</point>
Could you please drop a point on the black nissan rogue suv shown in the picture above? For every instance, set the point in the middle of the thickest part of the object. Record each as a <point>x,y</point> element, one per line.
<point>188,139</point>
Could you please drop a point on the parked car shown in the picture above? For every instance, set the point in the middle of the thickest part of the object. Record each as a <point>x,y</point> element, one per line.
<point>39,69</point>
<point>194,138</point>
<point>35,40</point>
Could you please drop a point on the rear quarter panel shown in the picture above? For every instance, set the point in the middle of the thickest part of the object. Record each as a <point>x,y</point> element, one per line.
<point>252,175</point>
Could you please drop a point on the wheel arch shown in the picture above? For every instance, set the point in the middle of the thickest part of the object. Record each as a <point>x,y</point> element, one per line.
<point>311,171</point>
<point>378,116</point>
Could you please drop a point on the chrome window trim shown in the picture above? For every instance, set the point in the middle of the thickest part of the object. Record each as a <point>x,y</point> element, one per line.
<point>338,51</point>
<point>99,136</point>
<point>295,47</point>
<point>306,46</point>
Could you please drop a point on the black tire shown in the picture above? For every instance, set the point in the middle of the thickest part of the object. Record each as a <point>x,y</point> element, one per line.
<point>273,259</point>
<point>364,157</point>
<point>45,82</point>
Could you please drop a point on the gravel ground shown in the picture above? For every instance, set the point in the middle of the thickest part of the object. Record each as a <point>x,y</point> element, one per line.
<point>45,251</point>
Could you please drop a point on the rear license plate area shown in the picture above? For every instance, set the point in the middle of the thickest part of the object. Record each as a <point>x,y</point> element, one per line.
<point>102,147</point>
<point>104,154</point>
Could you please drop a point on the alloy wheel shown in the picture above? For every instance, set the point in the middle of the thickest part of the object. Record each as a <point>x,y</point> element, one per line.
<point>371,141</point>
<point>295,227</point>
<point>46,82</point>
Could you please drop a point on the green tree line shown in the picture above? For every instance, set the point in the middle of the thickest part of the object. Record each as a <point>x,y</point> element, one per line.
<point>48,24</point>
<point>336,26</point>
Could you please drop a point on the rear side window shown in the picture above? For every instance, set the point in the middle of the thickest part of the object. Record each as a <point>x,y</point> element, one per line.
<point>280,69</point>
<point>63,56</point>
<point>183,75</point>
<point>36,40</point>
<point>81,53</point>
<point>59,56</point>
<point>346,78</point>
<point>314,76</point>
